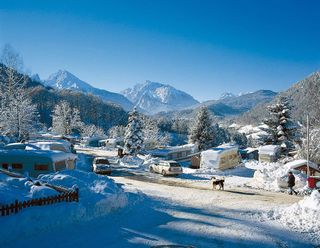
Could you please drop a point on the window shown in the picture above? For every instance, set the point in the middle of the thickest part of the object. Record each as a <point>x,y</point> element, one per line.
<point>41,167</point>
<point>5,166</point>
<point>60,165</point>
<point>17,166</point>
<point>102,161</point>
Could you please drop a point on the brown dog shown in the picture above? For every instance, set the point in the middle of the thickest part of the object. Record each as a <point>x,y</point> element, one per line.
<point>217,182</point>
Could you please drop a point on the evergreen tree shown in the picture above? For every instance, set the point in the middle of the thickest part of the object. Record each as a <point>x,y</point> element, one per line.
<point>240,139</point>
<point>281,129</point>
<point>221,135</point>
<point>66,120</point>
<point>133,140</point>
<point>201,133</point>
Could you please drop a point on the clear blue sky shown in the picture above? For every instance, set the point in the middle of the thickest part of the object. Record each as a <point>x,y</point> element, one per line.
<point>202,47</point>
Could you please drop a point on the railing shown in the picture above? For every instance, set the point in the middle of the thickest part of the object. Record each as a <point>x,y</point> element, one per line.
<point>18,205</point>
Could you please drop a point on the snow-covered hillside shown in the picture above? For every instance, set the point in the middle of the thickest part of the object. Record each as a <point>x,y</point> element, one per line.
<point>66,80</point>
<point>156,97</point>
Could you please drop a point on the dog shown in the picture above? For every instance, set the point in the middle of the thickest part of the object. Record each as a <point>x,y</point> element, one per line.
<point>217,182</point>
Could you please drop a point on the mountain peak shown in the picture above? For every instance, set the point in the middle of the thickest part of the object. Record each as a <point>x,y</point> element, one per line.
<point>154,97</point>
<point>64,79</point>
<point>227,95</point>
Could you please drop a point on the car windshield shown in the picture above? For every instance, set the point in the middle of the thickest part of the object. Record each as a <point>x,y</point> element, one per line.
<point>174,165</point>
<point>102,161</point>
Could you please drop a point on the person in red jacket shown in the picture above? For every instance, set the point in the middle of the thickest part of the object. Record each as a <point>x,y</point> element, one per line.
<point>291,183</point>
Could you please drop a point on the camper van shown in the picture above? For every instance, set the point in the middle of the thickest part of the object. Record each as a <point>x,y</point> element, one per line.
<point>36,162</point>
<point>269,153</point>
<point>222,157</point>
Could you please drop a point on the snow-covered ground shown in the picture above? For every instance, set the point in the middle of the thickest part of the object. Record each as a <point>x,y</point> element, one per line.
<point>98,196</point>
<point>302,216</point>
<point>145,209</point>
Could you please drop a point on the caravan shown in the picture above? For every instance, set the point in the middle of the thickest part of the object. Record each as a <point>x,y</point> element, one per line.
<point>36,162</point>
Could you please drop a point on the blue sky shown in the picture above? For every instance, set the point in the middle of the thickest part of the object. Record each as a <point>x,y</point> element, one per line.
<point>202,47</point>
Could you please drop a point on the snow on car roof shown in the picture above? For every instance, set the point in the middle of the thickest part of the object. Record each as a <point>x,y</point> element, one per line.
<point>54,155</point>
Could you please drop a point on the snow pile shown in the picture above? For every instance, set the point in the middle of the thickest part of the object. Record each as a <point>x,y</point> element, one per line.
<point>98,196</point>
<point>273,177</point>
<point>302,216</point>
<point>131,161</point>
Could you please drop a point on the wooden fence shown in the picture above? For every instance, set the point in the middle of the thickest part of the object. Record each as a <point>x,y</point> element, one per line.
<point>70,196</point>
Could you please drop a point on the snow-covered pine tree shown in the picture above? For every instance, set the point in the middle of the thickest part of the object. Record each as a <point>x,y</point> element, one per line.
<point>282,129</point>
<point>201,133</point>
<point>221,135</point>
<point>133,140</point>
<point>240,139</point>
<point>65,119</point>
<point>18,116</point>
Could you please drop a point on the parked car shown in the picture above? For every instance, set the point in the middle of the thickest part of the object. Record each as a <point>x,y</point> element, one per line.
<point>101,165</point>
<point>166,168</point>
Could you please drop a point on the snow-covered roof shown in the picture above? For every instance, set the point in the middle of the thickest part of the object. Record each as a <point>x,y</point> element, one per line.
<point>269,149</point>
<point>47,145</point>
<point>170,149</point>
<point>53,155</point>
<point>110,140</point>
<point>215,152</point>
<point>297,163</point>
<point>250,149</point>
<point>234,125</point>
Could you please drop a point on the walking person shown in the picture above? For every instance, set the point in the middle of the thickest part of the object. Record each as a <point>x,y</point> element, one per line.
<point>291,183</point>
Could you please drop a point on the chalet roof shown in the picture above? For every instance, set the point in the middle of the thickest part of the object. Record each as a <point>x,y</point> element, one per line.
<point>297,163</point>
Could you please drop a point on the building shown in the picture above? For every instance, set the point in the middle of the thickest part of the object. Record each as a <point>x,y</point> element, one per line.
<point>301,165</point>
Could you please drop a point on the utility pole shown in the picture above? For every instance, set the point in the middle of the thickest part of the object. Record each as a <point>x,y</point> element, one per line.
<point>308,168</point>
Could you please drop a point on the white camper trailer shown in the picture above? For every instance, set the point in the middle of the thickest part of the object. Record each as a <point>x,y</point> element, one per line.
<point>222,157</point>
<point>36,162</point>
<point>269,153</point>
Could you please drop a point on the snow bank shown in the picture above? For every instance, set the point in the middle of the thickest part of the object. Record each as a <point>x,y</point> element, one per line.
<point>131,161</point>
<point>302,216</point>
<point>273,177</point>
<point>98,196</point>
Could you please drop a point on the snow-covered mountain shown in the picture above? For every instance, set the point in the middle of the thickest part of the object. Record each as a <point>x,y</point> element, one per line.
<point>66,80</point>
<point>154,97</point>
<point>227,95</point>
